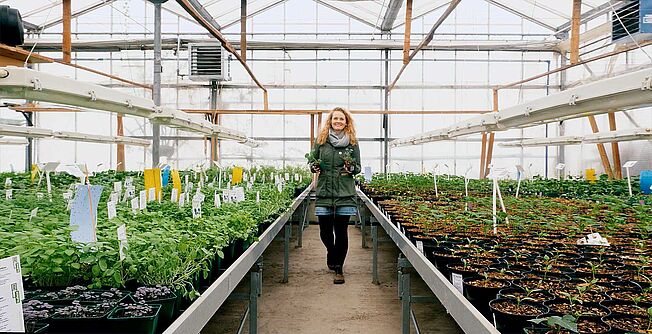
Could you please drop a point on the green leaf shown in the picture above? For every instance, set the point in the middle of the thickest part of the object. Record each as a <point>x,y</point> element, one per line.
<point>103,264</point>
<point>57,270</point>
<point>75,265</point>
<point>69,252</point>
<point>117,278</point>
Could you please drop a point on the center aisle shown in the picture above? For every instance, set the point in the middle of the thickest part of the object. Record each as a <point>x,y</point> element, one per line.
<point>311,303</point>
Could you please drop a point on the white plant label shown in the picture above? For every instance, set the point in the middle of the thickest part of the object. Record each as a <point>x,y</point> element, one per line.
<point>560,166</point>
<point>174,197</point>
<point>32,214</point>
<point>182,200</point>
<point>630,164</point>
<point>296,176</point>
<point>129,181</point>
<point>287,176</point>
<point>122,232</point>
<point>216,200</point>
<point>110,206</point>
<point>117,187</point>
<point>457,282</point>
<point>122,238</point>
<point>420,246</point>
<point>67,195</point>
<point>151,194</point>
<point>9,194</point>
<point>279,187</point>
<point>39,195</point>
<point>196,209</point>
<point>8,182</point>
<point>134,205</point>
<point>257,196</point>
<point>142,203</point>
<point>11,296</point>
<point>114,197</point>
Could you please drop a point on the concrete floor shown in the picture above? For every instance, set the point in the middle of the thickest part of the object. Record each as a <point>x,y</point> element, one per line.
<point>311,303</point>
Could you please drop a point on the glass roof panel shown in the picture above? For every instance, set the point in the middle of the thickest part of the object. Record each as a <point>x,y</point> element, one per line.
<point>552,13</point>
<point>225,12</point>
<point>45,12</point>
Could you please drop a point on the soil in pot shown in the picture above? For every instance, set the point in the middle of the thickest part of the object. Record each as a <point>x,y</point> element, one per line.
<point>480,291</point>
<point>134,318</point>
<point>626,307</point>
<point>537,296</point>
<point>161,295</point>
<point>627,323</point>
<point>34,311</point>
<point>564,306</point>
<point>511,315</point>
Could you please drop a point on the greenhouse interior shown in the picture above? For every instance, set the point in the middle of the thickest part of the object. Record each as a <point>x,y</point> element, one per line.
<point>326,166</point>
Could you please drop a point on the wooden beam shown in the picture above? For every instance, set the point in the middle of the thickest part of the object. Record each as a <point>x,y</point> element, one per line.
<point>243,29</point>
<point>120,152</point>
<point>575,32</point>
<point>426,40</point>
<point>66,45</point>
<point>312,130</point>
<point>490,144</point>
<point>615,150</point>
<point>601,150</point>
<point>408,31</point>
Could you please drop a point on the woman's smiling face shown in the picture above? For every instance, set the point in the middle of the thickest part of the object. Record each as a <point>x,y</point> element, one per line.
<point>338,121</point>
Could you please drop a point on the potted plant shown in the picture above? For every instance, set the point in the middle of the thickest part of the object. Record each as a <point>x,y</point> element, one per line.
<point>134,318</point>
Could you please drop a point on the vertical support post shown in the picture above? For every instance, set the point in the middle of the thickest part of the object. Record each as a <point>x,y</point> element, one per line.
<point>254,292</point>
<point>286,254</point>
<point>66,45</point>
<point>156,84</point>
<point>615,150</point>
<point>374,255</point>
<point>385,115</point>
<point>29,119</point>
<point>408,31</point>
<point>575,32</point>
<point>405,293</point>
<point>243,29</point>
<point>319,117</point>
<point>120,150</point>
<point>306,205</point>
<point>363,230</point>
<point>213,106</point>
<point>561,150</point>
<point>483,155</point>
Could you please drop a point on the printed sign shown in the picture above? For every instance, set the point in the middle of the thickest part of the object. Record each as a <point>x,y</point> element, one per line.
<point>11,296</point>
<point>83,213</point>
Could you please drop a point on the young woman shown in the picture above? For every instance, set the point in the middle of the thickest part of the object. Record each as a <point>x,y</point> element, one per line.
<point>337,149</point>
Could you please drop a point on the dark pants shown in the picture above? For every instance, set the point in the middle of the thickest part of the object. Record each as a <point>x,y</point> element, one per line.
<point>333,233</point>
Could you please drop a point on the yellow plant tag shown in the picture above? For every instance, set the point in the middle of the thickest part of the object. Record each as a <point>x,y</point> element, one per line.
<point>236,174</point>
<point>176,180</point>
<point>153,180</point>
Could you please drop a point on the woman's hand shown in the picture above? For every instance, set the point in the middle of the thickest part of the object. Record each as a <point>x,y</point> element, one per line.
<point>315,168</point>
<point>348,167</point>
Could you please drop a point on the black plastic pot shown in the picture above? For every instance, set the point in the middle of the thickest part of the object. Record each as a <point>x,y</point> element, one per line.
<point>481,296</point>
<point>617,329</point>
<point>508,323</point>
<point>134,325</point>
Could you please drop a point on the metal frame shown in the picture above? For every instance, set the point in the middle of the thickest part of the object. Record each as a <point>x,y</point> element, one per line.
<point>23,83</point>
<point>466,316</point>
<point>623,92</point>
<point>202,309</point>
<point>595,138</point>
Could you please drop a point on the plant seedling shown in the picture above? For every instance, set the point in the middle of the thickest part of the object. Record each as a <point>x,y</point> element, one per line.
<point>557,323</point>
